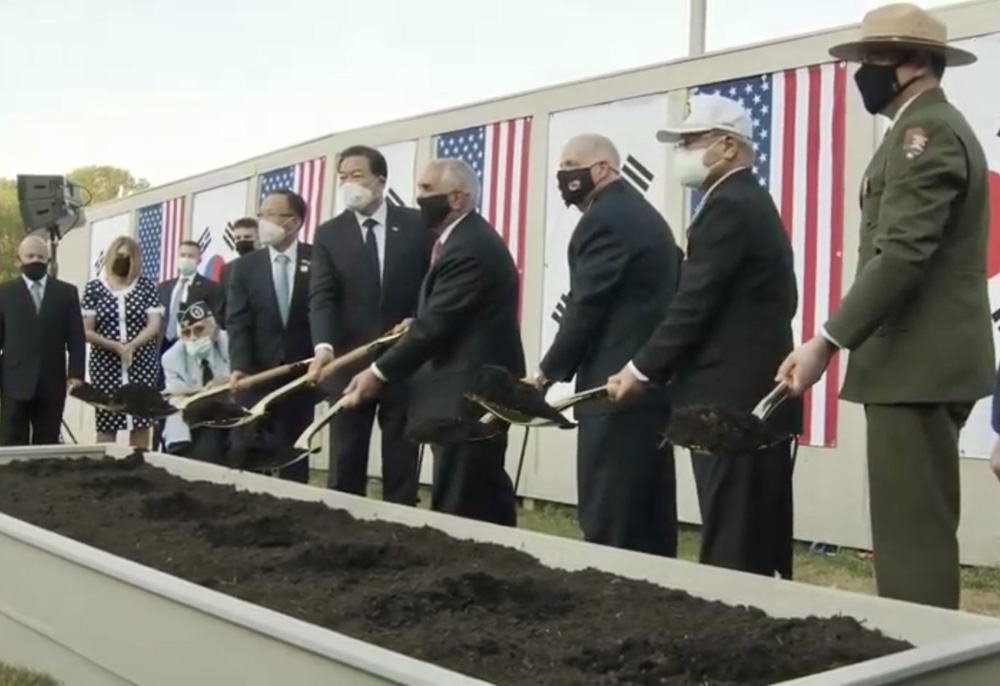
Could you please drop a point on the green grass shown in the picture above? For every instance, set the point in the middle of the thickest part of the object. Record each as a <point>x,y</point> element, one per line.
<point>12,676</point>
<point>843,568</point>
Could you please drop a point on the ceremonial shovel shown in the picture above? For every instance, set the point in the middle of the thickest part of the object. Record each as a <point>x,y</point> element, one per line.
<point>260,407</point>
<point>721,430</point>
<point>507,399</point>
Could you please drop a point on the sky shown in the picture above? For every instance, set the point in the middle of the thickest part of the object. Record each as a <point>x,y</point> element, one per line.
<point>172,88</point>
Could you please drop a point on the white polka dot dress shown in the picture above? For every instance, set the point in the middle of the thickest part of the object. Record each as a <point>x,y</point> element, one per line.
<point>120,316</point>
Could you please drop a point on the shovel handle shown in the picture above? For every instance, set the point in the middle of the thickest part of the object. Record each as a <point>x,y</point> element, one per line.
<point>360,353</point>
<point>247,382</point>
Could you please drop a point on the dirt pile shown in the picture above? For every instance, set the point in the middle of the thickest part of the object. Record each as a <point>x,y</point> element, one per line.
<point>488,611</point>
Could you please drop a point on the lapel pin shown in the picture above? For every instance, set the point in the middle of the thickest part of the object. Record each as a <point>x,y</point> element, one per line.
<point>395,228</point>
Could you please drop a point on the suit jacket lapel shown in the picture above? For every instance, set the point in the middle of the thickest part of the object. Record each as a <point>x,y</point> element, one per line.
<point>267,274</point>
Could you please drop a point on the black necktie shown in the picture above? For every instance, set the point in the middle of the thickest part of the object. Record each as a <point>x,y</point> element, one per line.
<point>371,242</point>
<point>206,373</point>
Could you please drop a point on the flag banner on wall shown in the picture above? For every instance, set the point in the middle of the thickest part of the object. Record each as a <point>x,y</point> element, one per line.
<point>212,214</point>
<point>798,139</point>
<point>401,161</point>
<point>498,153</point>
<point>306,179</point>
<point>631,125</point>
<point>160,231</point>
<point>981,107</point>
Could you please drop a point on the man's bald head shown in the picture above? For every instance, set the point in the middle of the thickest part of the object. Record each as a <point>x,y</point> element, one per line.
<point>589,149</point>
<point>33,249</point>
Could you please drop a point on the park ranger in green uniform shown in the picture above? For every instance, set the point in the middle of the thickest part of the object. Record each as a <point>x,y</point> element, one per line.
<point>916,320</point>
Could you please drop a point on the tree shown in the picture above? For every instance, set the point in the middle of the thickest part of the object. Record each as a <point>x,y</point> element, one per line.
<point>102,181</point>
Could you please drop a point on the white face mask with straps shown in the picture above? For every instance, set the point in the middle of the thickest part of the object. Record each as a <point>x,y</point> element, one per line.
<point>689,165</point>
<point>355,196</point>
<point>270,233</point>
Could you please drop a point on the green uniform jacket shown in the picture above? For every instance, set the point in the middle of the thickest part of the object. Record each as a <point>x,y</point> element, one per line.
<point>917,318</point>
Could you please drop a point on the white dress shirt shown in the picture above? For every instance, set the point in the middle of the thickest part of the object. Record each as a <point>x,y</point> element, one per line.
<point>441,240</point>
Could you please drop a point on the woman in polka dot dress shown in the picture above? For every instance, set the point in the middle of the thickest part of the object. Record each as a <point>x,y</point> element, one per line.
<point>122,316</point>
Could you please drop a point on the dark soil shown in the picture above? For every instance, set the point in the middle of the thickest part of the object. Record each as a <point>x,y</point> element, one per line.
<point>484,610</point>
<point>512,398</point>
<point>449,431</point>
<point>216,409</point>
<point>719,430</point>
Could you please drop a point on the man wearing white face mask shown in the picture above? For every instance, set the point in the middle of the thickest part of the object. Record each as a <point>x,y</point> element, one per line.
<point>368,266</point>
<point>185,288</point>
<point>728,326</point>
<point>199,359</point>
<point>267,315</point>
<point>176,294</point>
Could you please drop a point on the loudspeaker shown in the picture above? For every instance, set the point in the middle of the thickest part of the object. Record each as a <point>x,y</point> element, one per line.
<point>51,203</point>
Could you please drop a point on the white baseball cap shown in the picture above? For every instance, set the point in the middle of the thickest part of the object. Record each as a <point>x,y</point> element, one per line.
<point>710,113</point>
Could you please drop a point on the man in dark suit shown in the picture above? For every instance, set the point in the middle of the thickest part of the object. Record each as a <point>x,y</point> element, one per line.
<point>368,265</point>
<point>187,287</point>
<point>623,264</point>
<point>244,233</point>
<point>728,326</point>
<point>42,349</point>
<point>466,318</point>
<point>268,314</point>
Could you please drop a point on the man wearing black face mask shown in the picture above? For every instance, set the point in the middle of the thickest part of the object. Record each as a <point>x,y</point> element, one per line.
<point>41,323</point>
<point>623,266</point>
<point>466,318</point>
<point>917,318</point>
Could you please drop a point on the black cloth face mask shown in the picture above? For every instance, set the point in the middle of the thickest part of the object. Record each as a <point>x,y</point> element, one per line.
<point>574,185</point>
<point>34,271</point>
<point>434,209</point>
<point>120,267</point>
<point>879,85</point>
<point>244,247</point>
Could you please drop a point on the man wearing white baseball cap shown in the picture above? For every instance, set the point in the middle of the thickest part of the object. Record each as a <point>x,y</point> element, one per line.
<point>728,326</point>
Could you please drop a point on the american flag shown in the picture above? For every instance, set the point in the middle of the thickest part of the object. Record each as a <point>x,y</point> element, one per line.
<point>161,229</point>
<point>498,153</point>
<point>798,136</point>
<point>306,179</point>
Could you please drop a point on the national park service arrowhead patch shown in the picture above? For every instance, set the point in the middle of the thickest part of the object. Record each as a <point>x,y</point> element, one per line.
<point>914,142</point>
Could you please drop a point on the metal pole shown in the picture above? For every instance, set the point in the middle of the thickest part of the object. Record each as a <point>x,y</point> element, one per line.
<point>697,29</point>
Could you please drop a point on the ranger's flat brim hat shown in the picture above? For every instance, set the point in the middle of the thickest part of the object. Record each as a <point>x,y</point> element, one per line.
<point>902,26</point>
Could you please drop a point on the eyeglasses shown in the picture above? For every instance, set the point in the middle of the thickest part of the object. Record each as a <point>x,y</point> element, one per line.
<point>276,218</point>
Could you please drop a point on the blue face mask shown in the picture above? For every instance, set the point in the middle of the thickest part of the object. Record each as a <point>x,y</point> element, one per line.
<point>200,347</point>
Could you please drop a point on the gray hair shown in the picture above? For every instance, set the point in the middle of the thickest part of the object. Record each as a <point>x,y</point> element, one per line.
<point>457,175</point>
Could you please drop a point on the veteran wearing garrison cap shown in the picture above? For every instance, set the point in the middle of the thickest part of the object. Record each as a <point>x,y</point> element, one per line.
<point>916,320</point>
<point>199,359</point>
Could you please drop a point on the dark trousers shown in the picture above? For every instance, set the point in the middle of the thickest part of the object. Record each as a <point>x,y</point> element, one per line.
<point>31,422</point>
<point>161,383</point>
<point>913,484</point>
<point>626,481</point>
<point>746,510</point>
<point>470,481</point>
<point>207,445</point>
<point>288,418</point>
<point>350,439</point>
